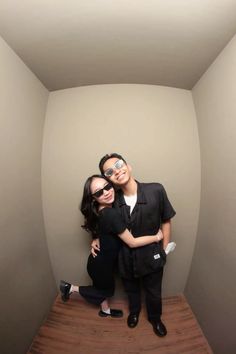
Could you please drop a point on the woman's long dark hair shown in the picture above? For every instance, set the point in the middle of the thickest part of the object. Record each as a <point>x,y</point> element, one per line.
<point>89,207</point>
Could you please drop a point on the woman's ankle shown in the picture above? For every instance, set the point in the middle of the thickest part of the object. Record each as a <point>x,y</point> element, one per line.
<point>74,288</point>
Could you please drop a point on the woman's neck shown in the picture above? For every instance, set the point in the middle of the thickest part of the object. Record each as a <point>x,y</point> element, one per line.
<point>101,206</point>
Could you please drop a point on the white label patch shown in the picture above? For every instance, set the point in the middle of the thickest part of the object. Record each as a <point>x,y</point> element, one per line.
<point>156,256</point>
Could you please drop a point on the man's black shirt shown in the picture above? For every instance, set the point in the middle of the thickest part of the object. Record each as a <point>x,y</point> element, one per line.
<point>151,210</point>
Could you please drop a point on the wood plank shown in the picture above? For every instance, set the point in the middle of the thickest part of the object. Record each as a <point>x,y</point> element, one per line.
<point>75,327</point>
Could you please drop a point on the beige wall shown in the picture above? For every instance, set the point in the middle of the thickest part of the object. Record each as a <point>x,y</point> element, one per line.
<point>211,288</point>
<point>155,129</point>
<point>27,284</point>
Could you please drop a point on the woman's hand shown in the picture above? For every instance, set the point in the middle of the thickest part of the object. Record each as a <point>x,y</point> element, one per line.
<point>159,236</point>
<point>95,247</point>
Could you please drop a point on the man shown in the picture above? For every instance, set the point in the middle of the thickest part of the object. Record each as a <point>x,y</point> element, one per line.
<point>145,208</point>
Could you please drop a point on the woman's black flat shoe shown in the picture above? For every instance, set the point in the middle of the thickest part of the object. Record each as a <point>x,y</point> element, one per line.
<point>114,313</point>
<point>65,290</point>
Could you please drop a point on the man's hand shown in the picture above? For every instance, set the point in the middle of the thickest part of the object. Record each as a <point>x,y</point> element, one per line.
<point>95,247</point>
<point>166,230</point>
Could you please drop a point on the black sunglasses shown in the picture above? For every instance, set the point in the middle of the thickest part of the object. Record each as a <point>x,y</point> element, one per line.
<point>99,193</point>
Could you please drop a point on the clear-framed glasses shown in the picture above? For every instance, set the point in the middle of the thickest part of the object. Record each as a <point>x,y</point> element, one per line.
<point>117,165</point>
<point>99,193</point>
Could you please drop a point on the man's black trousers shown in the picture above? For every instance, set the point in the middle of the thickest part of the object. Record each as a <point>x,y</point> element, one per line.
<point>151,283</point>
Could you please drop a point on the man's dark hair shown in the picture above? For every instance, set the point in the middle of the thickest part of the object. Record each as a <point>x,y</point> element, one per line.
<point>107,157</point>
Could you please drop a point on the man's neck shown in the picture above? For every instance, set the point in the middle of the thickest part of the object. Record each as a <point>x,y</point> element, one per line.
<point>130,188</point>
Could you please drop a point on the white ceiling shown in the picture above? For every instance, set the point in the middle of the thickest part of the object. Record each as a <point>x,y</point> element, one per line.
<point>69,43</point>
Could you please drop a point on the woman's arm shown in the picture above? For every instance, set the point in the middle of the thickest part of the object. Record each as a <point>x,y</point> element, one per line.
<point>133,242</point>
<point>95,247</point>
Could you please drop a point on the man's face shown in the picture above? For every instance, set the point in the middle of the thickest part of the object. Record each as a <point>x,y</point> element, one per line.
<point>117,171</point>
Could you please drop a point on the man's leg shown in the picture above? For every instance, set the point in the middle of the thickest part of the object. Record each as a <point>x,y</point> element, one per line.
<point>152,284</point>
<point>133,290</point>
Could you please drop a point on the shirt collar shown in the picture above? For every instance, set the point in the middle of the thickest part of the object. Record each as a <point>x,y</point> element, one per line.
<point>141,199</point>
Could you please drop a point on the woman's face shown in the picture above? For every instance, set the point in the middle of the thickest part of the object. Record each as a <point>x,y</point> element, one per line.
<point>102,191</point>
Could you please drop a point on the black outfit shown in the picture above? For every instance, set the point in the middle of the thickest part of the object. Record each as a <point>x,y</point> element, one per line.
<point>101,268</point>
<point>142,264</point>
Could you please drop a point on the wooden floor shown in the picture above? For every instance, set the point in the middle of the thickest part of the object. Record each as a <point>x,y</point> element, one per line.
<point>75,327</point>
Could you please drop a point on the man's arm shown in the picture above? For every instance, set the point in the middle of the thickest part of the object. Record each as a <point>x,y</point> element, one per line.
<point>166,230</point>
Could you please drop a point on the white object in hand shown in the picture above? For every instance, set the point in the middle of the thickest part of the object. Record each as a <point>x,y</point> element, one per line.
<point>170,247</point>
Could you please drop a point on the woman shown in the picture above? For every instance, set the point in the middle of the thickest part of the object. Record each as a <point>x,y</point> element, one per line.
<point>103,220</point>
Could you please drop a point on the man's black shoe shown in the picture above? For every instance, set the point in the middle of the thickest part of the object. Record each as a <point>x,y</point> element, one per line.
<point>132,320</point>
<point>159,328</point>
<point>114,313</point>
<point>65,290</point>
